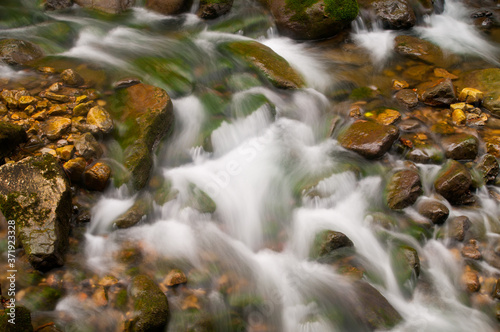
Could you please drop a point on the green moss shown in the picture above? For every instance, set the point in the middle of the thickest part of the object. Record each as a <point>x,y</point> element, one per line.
<point>340,10</point>
<point>361,93</point>
<point>121,300</point>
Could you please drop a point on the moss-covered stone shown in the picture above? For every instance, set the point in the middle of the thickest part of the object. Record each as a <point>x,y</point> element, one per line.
<point>19,52</point>
<point>267,62</point>
<point>487,81</point>
<point>106,6</point>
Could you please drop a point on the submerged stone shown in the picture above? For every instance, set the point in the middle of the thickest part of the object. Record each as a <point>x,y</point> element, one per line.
<point>134,214</point>
<point>403,189</point>
<point>419,49</point>
<point>19,52</point>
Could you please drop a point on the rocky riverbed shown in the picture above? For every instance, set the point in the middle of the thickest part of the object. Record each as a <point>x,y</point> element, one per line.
<point>73,131</point>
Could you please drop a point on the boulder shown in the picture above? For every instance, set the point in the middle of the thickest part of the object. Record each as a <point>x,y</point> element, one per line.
<point>453,183</point>
<point>150,306</point>
<point>19,52</point>
<point>441,92</point>
<point>313,19</point>
<point>460,146</point>
<point>169,7</point>
<point>267,62</point>
<point>147,114</point>
<point>422,50</point>
<point>107,6</point>
<point>35,193</point>
<point>210,9</point>
<point>11,135</point>
<point>394,14</point>
<point>403,189</point>
<point>487,81</point>
<point>487,166</point>
<point>436,211</point>
<point>369,139</point>
<point>97,176</point>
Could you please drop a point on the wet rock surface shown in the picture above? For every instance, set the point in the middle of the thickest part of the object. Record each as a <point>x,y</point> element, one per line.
<point>454,182</point>
<point>403,189</point>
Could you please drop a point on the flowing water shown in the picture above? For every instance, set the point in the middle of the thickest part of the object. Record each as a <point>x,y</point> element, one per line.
<point>266,159</point>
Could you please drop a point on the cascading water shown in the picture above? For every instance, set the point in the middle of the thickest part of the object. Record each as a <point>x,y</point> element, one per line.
<point>253,187</point>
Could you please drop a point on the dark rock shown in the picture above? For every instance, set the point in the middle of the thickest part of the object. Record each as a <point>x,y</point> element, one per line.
<point>19,52</point>
<point>460,146</point>
<point>126,82</point>
<point>87,146</point>
<point>267,62</point>
<point>458,227</point>
<point>71,78</point>
<point>134,214</point>
<point>488,168</point>
<point>369,139</point>
<point>403,189</point>
<point>312,19</point>
<point>22,319</point>
<point>436,211</point>
<point>169,7</point>
<point>408,97</point>
<point>496,291</point>
<point>454,182</point>
<point>332,240</point>
<point>394,14</point>
<point>97,176</point>
<point>107,6</point>
<point>150,306</point>
<point>11,136</point>
<point>35,193</point>
<point>442,92</point>
<point>210,9</point>
<point>57,4</point>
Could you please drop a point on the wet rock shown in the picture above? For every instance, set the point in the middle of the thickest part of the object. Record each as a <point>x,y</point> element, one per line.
<point>267,62</point>
<point>74,168</point>
<point>442,92</point>
<point>394,14</point>
<point>126,82</point>
<point>471,250</point>
<point>384,116</point>
<point>408,97</point>
<point>210,9</point>
<point>71,78</point>
<point>487,81</point>
<point>19,52</point>
<point>369,139</point>
<point>458,117</point>
<point>11,136</point>
<point>328,241</point>
<point>312,19</point>
<point>454,182</point>
<point>443,73</point>
<point>470,95</point>
<point>56,127</point>
<point>66,152</point>
<point>22,320</point>
<point>150,306</point>
<point>419,49</point>
<point>406,263</point>
<point>458,227</point>
<point>169,7</point>
<point>55,97</point>
<point>41,208</point>
<point>488,168</point>
<point>175,277</point>
<point>107,6</point>
<point>409,125</point>
<point>470,279</point>
<point>151,112</point>
<point>57,4</point>
<point>375,308</point>
<point>436,211</point>
<point>496,291</point>
<point>134,214</point>
<point>403,189</point>
<point>83,108</point>
<point>460,146</point>
<point>98,117</point>
<point>97,176</point>
<point>87,146</point>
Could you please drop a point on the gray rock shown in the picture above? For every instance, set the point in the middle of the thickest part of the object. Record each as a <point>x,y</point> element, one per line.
<point>87,146</point>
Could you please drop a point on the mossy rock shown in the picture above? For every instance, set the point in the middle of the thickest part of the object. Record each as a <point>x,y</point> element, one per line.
<point>11,135</point>
<point>263,59</point>
<point>41,298</point>
<point>22,320</point>
<point>487,81</point>
<point>327,241</point>
<point>312,19</point>
<point>200,201</point>
<point>406,264</point>
<point>19,52</point>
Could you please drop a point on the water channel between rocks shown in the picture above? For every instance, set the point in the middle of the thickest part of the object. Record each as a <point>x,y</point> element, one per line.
<point>256,215</point>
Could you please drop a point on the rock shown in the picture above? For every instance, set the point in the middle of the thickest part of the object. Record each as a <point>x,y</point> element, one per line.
<point>408,97</point>
<point>169,7</point>
<point>11,135</point>
<point>487,81</point>
<point>40,207</point>
<point>436,211</point>
<point>210,9</point>
<point>66,152</point>
<point>394,14</point>
<point>74,168</point>
<point>56,97</point>
<point>471,280</point>
<point>98,117</point>
<point>175,277</point>
<point>83,108</point>
<point>460,146</point>
<point>200,201</point>
<point>458,117</point>
<point>267,62</point>
<point>471,250</point>
<point>443,73</point>
<point>422,50</point>
<point>369,139</point>
<point>496,291</point>
<point>71,78</point>
<point>470,95</point>
<point>126,82</point>
<point>57,4</point>
<point>55,127</point>
<point>385,116</point>
<point>375,309</point>
<point>488,168</point>
<point>97,176</point>
<point>22,319</point>
<point>19,52</point>
<point>409,125</point>
<point>458,227</point>
<point>107,6</point>
<point>87,146</point>
<point>406,264</point>
<point>134,214</point>
<point>331,240</point>
<point>454,182</point>
<point>315,19</point>
<point>403,189</point>
<point>442,92</point>
<point>150,306</point>
<point>148,113</point>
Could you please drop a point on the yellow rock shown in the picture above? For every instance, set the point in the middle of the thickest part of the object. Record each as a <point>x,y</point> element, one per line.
<point>56,126</point>
<point>81,99</point>
<point>440,72</point>
<point>458,117</point>
<point>98,117</point>
<point>386,117</point>
<point>66,152</point>
<point>25,101</point>
<point>470,95</point>
<point>398,85</point>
